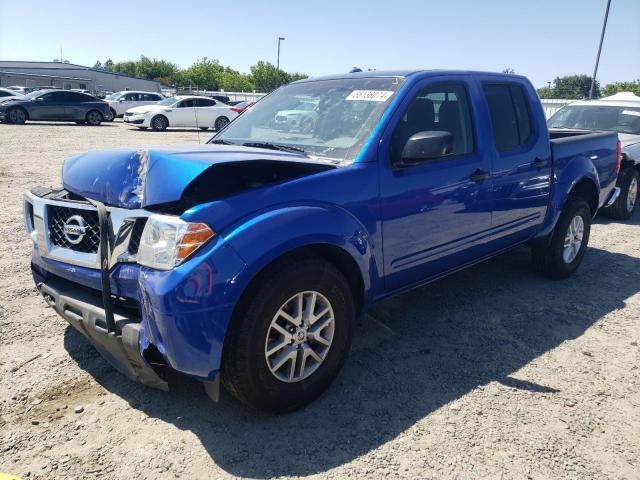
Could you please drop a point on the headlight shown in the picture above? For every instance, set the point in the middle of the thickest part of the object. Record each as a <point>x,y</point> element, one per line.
<point>167,241</point>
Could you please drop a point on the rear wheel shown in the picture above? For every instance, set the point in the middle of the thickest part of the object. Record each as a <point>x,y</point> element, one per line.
<point>17,116</point>
<point>220,123</point>
<point>289,340</point>
<point>624,206</point>
<point>93,118</point>
<point>563,254</point>
<point>159,123</point>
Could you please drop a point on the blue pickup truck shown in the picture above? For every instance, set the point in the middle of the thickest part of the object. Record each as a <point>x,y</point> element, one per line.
<point>246,261</point>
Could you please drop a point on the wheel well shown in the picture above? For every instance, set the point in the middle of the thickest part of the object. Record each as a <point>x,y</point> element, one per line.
<point>337,256</point>
<point>160,115</point>
<point>586,190</point>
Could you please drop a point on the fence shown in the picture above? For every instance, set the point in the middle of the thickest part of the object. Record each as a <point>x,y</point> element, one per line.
<point>552,105</point>
<point>233,96</point>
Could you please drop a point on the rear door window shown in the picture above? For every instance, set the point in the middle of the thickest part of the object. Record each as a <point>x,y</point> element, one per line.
<point>510,115</point>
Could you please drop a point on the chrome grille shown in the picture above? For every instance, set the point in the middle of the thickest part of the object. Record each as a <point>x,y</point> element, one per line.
<point>57,217</point>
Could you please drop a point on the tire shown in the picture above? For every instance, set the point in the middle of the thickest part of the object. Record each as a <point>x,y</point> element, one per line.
<point>159,123</point>
<point>113,115</point>
<point>93,118</point>
<point>246,371</point>
<point>220,123</point>
<point>625,205</point>
<point>17,116</point>
<point>555,260</point>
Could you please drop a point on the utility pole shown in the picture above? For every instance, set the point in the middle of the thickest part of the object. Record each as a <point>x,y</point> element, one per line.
<point>278,61</point>
<point>595,69</point>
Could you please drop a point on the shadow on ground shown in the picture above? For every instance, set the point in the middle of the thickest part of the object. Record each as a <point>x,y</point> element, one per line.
<point>412,354</point>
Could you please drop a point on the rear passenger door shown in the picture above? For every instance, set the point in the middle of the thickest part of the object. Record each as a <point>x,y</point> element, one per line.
<point>76,105</point>
<point>521,177</point>
<point>206,112</point>
<point>435,214</point>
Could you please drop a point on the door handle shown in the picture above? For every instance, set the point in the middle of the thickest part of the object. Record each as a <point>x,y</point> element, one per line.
<point>479,175</point>
<point>539,163</point>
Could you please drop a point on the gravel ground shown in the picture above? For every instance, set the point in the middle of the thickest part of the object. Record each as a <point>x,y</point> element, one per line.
<point>493,372</point>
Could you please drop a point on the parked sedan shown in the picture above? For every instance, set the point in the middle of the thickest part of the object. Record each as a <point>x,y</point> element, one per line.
<point>5,92</point>
<point>55,105</point>
<point>120,102</point>
<point>182,111</point>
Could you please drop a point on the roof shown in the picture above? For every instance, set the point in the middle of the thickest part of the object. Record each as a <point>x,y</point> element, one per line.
<point>18,64</point>
<point>37,75</point>
<point>408,73</point>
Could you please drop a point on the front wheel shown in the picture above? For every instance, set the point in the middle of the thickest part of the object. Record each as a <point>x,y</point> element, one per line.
<point>290,337</point>
<point>563,254</point>
<point>16,116</point>
<point>159,123</point>
<point>93,118</point>
<point>113,115</point>
<point>623,207</point>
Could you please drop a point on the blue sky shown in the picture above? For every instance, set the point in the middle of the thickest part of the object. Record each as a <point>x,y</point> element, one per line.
<point>541,39</point>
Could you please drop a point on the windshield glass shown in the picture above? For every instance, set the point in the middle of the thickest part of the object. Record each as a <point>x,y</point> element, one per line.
<point>168,101</point>
<point>598,117</point>
<point>330,119</point>
<point>32,95</point>
<point>114,96</point>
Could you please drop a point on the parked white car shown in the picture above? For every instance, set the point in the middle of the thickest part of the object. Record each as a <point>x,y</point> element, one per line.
<point>5,93</point>
<point>182,111</point>
<point>120,102</point>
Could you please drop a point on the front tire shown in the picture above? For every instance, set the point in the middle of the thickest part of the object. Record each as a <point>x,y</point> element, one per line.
<point>624,206</point>
<point>159,123</point>
<point>93,118</point>
<point>113,115</point>
<point>290,336</point>
<point>17,116</point>
<point>562,256</point>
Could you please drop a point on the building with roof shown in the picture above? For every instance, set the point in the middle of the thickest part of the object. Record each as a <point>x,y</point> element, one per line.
<point>68,76</point>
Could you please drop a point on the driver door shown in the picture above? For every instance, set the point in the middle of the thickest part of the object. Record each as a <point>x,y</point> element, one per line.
<point>436,213</point>
<point>183,114</point>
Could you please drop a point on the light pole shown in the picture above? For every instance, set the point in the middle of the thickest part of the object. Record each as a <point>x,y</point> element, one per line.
<point>278,62</point>
<point>595,69</point>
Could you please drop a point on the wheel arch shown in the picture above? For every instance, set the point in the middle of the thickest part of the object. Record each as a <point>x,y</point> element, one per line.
<point>588,191</point>
<point>19,107</point>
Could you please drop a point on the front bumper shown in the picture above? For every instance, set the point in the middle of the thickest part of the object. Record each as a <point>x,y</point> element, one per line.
<point>83,311</point>
<point>139,120</point>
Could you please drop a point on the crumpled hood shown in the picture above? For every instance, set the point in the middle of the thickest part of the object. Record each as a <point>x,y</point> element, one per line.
<point>131,178</point>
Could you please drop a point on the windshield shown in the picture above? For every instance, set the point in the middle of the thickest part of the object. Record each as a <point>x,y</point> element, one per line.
<point>168,101</point>
<point>330,119</point>
<point>598,117</point>
<point>114,96</point>
<point>32,95</point>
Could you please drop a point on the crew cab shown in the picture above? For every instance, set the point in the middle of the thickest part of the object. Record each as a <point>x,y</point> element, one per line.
<point>618,113</point>
<point>248,259</point>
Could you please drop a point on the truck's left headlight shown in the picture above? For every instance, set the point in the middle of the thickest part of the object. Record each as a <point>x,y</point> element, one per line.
<point>167,241</point>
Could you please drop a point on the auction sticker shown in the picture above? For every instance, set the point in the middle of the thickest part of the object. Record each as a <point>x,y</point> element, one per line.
<point>370,95</point>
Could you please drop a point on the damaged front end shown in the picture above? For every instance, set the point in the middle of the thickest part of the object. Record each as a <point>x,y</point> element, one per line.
<point>146,321</point>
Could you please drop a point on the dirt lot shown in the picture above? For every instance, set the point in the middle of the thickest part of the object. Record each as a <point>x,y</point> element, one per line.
<point>494,372</point>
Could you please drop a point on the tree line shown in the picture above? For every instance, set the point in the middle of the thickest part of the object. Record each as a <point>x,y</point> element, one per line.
<point>205,74</point>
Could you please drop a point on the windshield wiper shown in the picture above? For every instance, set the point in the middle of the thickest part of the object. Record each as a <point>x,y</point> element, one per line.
<point>274,146</point>
<point>222,142</point>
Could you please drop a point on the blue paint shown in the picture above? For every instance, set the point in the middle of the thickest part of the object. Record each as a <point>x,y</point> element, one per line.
<point>402,227</point>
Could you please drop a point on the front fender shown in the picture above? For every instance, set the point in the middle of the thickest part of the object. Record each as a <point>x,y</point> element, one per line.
<point>268,235</point>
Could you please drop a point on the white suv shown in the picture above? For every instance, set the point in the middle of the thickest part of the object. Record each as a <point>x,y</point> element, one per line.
<point>120,102</point>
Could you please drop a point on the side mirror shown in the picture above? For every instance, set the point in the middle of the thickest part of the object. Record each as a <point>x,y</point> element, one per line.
<point>424,146</point>
<point>121,99</point>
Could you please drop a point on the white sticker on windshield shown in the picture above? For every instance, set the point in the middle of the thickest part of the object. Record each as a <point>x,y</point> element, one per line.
<point>370,95</point>
<point>635,113</point>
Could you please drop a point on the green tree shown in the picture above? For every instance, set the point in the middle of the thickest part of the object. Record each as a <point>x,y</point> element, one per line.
<point>613,88</point>
<point>98,64</point>
<point>266,77</point>
<point>109,66</point>
<point>545,92</point>
<point>574,86</point>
